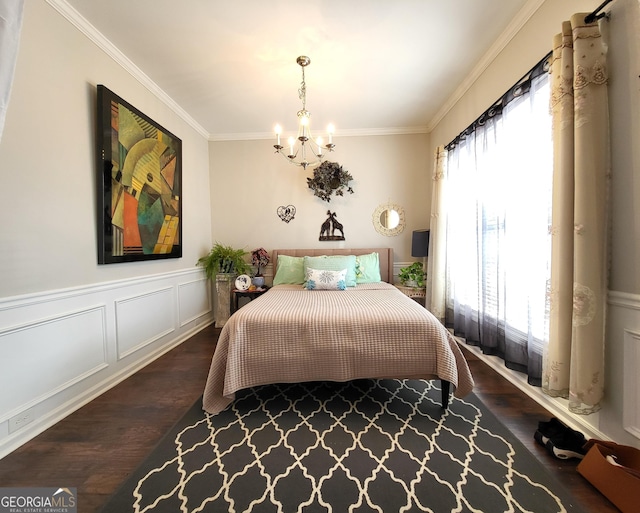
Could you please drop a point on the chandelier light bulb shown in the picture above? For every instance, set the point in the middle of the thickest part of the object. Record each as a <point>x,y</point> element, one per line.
<point>278,132</point>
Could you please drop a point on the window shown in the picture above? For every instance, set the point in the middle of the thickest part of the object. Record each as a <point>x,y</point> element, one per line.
<point>498,210</point>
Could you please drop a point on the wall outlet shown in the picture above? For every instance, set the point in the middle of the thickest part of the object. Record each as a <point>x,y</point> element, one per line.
<point>20,420</point>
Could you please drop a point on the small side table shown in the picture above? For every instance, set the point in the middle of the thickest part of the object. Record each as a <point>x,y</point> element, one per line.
<point>415,293</point>
<point>251,294</point>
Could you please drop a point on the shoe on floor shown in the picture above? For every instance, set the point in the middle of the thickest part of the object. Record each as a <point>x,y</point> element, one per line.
<point>561,441</point>
<point>547,430</point>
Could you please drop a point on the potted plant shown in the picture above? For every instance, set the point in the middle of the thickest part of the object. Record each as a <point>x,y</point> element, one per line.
<point>259,258</point>
<point>222,264</point>
<point>413,275</point>
<point>224,260</point>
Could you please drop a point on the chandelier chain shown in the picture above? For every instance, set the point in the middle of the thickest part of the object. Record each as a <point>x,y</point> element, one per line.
<point>297,147</point>
<point>302,92</point>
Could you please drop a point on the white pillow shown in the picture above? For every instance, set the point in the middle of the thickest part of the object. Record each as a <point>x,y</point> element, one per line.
<point>334,263</point>
<point>320,279</point>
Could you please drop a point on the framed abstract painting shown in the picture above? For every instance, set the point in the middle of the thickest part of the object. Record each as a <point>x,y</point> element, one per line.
<point>139,180</point>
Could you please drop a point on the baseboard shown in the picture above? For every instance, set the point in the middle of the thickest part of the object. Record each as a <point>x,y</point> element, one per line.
<point>556,406</point>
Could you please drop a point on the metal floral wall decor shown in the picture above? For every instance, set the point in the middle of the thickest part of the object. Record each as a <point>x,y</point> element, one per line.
<point>329,228</point>
<point>139,176</point>
<point>330,178</point>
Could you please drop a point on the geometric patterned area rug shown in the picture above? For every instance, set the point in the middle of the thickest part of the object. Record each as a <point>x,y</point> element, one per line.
<point>360,446</point>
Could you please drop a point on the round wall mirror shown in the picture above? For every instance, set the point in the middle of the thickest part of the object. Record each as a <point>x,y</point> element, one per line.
<point>388,219</point>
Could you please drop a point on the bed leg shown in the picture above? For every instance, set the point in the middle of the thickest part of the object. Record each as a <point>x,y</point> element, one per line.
<point>445,388</point>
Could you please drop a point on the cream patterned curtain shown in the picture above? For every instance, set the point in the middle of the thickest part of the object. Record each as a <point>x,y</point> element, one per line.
<point>435,300</point>
<point>10,25</point>
<point>574,357</point>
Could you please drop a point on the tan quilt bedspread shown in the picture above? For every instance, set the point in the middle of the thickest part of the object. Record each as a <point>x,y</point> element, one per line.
<point>292,335</point>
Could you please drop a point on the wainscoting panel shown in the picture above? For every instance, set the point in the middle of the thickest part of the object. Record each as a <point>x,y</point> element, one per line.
<point>194,300</point>
<point>60,349</point>
<point>143,319</point>
<point>620,414</point>
<point>631,392</point>
<point>60,352</point>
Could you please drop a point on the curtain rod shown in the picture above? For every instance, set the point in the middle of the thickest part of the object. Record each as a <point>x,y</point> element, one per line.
<point>541,65</point>
<point>594,15</point>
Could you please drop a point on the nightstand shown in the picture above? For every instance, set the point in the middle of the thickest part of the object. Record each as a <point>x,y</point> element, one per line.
<point>415,293</point>
<point>251,294</point>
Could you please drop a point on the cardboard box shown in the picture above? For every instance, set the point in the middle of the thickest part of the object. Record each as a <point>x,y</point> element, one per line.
<point>618,483</point>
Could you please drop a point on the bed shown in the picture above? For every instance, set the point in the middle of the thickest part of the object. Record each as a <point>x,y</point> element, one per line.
<point>371,330</point>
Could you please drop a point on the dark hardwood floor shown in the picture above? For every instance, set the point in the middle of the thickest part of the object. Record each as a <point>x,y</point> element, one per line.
<point>98,446</point>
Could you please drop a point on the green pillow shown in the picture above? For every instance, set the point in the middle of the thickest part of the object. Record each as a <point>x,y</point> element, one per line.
<point>368,268</point>
<point>333,263</point>
<point>290,271</point>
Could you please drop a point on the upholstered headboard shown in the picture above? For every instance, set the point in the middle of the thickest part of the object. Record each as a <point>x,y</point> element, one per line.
<point>385,255</point>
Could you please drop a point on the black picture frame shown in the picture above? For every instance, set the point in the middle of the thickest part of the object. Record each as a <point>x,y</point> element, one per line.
<point>139,182</point>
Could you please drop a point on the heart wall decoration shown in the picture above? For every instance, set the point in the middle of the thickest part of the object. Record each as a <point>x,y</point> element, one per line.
<point>286,213</point>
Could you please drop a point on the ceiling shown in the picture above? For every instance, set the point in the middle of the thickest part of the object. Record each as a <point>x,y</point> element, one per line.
<point>377,66</point>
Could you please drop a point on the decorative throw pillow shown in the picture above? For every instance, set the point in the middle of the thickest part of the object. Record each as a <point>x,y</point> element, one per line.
<point>290,270</point>
<point>320,279</point>
<point>368,268</point>
<point>334,263</point>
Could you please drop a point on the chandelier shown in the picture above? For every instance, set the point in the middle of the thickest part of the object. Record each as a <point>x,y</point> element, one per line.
<point>304,150</point>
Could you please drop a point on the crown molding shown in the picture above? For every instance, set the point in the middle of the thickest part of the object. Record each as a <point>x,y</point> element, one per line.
<point>509,33</point>
<point>81,23</point>
<point>356,132</point>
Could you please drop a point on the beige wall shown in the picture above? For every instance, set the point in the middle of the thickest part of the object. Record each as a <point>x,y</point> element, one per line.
<point>624,111</point>
<point>249,182</point>
<point>47,162</point>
